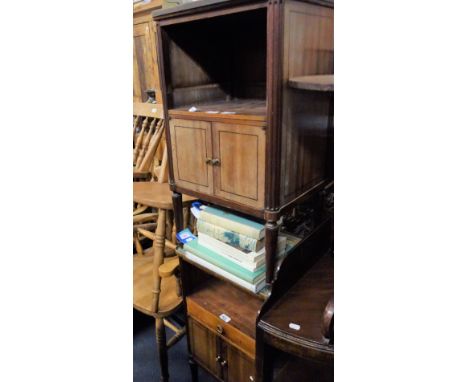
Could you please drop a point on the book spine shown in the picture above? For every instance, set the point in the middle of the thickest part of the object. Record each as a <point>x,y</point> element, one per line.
<point>231,225</point>
<point>230,253</point>
<point>236,280</point>
<point>229,237</point>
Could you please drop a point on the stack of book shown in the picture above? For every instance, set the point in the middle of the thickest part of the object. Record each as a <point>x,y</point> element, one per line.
<point>233,247</point>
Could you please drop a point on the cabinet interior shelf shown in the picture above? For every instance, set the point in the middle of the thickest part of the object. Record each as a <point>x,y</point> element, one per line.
<point>261,295</point>
<point>253,108</point>
<point>321,83</point>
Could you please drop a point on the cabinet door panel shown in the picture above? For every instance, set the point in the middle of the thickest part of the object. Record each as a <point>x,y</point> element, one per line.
<point>191,146</point>
<point>240,367</point>
<point>145,68</point>
<point>203,345</point>
<point>240,175</point>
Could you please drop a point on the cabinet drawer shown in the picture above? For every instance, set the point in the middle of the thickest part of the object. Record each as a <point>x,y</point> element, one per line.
<point>229,333</point>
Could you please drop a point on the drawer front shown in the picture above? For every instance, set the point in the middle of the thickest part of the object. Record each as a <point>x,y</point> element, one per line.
<point>229,333</point>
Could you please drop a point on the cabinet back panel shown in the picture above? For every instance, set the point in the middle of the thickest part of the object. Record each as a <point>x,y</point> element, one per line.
<point>305,145</point>
<point>308,40</point>
<point>308,50</point>
<point>143,82</point>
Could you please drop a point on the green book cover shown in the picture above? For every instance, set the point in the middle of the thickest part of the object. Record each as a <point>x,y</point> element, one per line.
<point>221,262</point>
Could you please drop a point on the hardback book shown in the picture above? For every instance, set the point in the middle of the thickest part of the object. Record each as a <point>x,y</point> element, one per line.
<point>251,261</point>
<point>253,287</point>
<point>222,262</point>
<point>233,222</point>
<point>244,257</point>
<point>230,237</point>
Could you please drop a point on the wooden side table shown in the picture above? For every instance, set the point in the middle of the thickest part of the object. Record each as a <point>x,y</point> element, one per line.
<point>300,324</point>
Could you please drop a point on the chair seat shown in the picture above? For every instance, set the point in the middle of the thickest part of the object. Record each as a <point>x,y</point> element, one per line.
<point>157,195</point>
<point>143,288</point>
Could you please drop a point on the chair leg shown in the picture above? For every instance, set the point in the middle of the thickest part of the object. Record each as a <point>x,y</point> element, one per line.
<point>193,370</point>
<point>162,349</point>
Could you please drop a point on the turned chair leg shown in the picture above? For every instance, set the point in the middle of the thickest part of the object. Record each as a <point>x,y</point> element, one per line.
<point>193,370</point>
<point>162,349</point>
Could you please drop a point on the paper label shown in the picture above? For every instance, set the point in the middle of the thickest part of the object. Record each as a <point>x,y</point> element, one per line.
<point>225,317</point>
<point>294,326</point>
<point>154,110</point>
<point>185,236</point>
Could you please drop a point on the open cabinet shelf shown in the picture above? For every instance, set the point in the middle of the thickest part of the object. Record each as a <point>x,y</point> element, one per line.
<point>251,109</point>
<point>321,83</point>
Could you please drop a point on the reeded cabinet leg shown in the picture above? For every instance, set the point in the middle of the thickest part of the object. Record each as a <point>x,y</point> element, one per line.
<point>178,211</point>
<point>193,370</point>
<point>271,242</point>
<point>162,350</point>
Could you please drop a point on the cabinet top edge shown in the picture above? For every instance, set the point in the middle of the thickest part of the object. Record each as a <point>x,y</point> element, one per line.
<point>201,6</point>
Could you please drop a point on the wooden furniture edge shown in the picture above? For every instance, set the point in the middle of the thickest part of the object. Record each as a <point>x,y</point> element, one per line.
<point>193,310</point>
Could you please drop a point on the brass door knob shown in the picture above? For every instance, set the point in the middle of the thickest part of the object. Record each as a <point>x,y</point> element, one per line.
<point>209,161</point>
<point>216,162</point>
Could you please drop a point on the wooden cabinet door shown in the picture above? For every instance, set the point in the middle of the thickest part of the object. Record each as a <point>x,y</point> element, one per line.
<point>203,346</point>
<point>240,367</point>
<point>191,148</point>
<point>145,68</point>
<point>240,174</point>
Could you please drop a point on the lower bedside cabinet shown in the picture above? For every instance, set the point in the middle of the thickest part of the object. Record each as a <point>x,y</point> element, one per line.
<point>212,351</point>
<point>221,323</point>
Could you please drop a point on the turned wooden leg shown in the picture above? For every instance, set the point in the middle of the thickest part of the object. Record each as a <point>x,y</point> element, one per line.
<point>193,369</point>
<point>162,349</point>
<point>178,210</point>
<point>271,242</point>
<point>158,256</point>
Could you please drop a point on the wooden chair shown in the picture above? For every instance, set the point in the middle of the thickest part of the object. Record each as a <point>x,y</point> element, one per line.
<point>149,149</point>
<point>156,285</point>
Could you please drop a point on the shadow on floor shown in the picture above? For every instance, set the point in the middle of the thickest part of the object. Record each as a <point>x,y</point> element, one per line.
<point>145,360</point>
